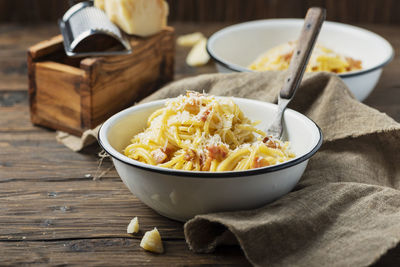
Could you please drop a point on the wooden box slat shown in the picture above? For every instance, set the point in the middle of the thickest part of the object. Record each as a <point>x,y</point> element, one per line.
<point>62,97</point>
<point>73,95</point>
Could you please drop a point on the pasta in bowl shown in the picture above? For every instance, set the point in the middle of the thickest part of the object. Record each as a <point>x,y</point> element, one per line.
<point>202,133</point>
<point>234,49</point>
<point>180,193</point>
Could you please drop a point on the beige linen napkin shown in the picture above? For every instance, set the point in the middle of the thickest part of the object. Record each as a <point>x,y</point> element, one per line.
<point>345,211</point>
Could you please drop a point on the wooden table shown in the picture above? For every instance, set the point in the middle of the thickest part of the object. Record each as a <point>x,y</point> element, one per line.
<point>51,209</point>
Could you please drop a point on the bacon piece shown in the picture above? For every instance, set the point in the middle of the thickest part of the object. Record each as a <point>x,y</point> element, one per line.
<point>207,164</point>
<point>260,162</point>
<point>158,155</point>
<point>190,155</point>
<point>270,143</point>
<point>219,152</point>
<point>204,115</point>
<point>354,64</point>
<point>192,107</point>
<point>266,139</point>
<point>168,149</point>
<point>287,57</point>
<point>273,144</point>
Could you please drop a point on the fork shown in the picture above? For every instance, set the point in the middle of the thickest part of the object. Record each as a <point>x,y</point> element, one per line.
<point>312,25</point>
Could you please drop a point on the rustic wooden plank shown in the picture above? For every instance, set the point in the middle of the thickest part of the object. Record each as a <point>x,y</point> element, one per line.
<point>30,156</point>
<point>55,98</point>
<point>27,151</point>
<point>15,117</point>
<point>46,47</point>
<point>113,252</point>
<point>12,98</point>
<point>74,208</point>
<point>14,42</point>
<point>371,11</point>
<point>23,36</point>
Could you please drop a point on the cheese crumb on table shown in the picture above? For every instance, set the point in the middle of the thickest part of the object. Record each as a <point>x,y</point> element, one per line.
<point>198,56</point>
<point>133,226</point>
<point>151,241</point>
<point>190,39</point>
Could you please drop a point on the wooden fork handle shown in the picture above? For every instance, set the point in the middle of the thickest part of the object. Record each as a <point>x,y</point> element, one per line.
<point>312,25</point>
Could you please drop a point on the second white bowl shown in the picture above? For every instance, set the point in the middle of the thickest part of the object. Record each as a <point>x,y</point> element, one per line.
<point>235,47</point>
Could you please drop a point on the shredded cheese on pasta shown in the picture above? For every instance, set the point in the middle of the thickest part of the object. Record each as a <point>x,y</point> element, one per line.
<point>201,133</point>
<point>322,59</point>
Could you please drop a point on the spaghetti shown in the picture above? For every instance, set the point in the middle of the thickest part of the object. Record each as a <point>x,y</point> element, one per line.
<point>201,133</point>
<point>322,59</point>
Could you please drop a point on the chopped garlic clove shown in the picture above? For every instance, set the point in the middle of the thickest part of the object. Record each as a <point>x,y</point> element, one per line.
<point>190,39</point>
<point>151,241</point>
<point>133,226</point>
<point>198,56</point>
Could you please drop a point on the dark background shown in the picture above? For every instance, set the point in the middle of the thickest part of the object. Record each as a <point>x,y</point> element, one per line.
<point>348,11</point>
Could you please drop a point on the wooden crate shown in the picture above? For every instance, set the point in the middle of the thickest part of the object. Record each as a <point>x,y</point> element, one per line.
<point>76,94</point>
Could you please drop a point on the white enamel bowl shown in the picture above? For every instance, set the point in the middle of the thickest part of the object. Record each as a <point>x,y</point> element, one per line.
<point>235,47</point>
<point>181,195</point>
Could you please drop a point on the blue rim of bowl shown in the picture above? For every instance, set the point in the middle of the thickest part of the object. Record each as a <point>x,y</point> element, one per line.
<point>227,174</point>
<point>237,68</point>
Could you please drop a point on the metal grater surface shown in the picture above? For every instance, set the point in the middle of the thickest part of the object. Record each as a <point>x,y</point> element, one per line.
<point>85,26</point>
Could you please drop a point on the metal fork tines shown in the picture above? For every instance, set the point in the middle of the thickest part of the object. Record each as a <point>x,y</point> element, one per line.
<point>276,128</point>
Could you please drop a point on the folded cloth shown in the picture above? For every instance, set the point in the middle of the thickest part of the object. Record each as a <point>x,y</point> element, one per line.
<point>78,143</point>
<point>345,211</point>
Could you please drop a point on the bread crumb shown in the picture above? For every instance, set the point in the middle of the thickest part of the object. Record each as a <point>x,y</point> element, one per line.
<point>151,241</point>
<point>133,226</point>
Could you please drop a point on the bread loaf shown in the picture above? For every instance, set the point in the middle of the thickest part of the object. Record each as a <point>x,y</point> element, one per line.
<point>138,17</point>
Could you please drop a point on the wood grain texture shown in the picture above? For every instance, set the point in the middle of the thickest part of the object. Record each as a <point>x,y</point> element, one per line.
<point>57,99</point>
<point>14,42</point>
<point>75,208</point>
<point>117,82</point>
<point>113,252</point>
<point>349,11</point>
<point>51,210</point>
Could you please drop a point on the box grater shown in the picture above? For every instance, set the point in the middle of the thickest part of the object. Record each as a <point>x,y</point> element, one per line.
<point>87,31</point>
